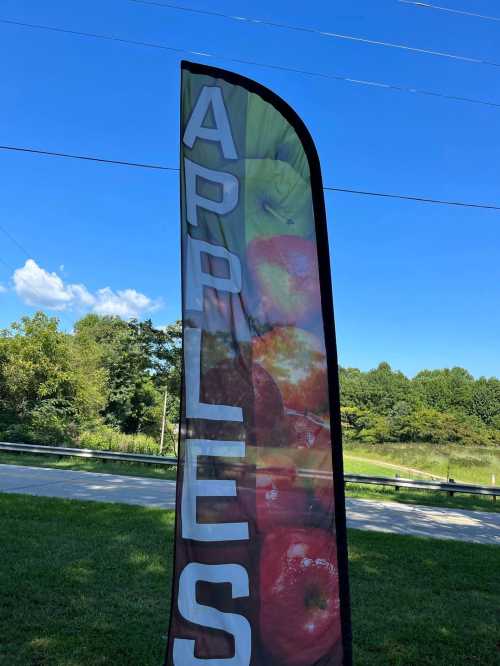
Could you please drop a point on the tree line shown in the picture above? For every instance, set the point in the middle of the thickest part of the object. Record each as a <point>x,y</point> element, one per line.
<point>106,379</point>
<point>436,406</point>
<point>103,385</point>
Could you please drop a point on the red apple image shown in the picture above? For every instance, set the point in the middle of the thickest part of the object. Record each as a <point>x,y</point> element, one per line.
<point>227,382</point>
<point>284,270</point>
<point>239,383</point>
<point>268,408</point>
<point>221,509</point>
<point>299,596</point>
<point>310,434</point>
<point>279,496</point>
<point>296,360</point>
<point>307,431</point>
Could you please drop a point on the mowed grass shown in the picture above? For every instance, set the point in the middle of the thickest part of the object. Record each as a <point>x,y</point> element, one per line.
<point>408,496</point>
<point>83,583</point>
<point>423,601</point>
<point>86,584</point>
<point>466,464</point>
<point>354,466</point>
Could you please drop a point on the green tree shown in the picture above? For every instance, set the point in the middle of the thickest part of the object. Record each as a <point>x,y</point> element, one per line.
<point>140,362</point>
<point>485,401</point>
<point>46,395</point>
<point>445,390</point>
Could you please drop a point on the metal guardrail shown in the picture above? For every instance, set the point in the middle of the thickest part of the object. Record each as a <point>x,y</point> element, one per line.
<point>397,483</point>
<point>446,486</point>
<point>87,453</point>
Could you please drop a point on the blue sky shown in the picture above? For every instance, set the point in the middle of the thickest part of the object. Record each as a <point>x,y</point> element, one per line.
<point>416,285</point>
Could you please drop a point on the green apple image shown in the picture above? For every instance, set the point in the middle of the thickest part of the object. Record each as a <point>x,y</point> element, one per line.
<point>277,201</point>
<point>270,136</point>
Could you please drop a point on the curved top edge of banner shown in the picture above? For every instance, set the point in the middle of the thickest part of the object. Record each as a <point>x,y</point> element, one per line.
<point>276,101</point>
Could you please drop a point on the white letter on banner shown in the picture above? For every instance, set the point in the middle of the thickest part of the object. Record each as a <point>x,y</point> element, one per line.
<point>197,278</point>
<point>192,488</point>
<point>206,616</point>
<point>211,96</point>
<point>192,366</point>
<point>227,181</point>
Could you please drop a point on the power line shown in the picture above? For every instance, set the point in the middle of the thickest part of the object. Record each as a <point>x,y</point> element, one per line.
<point>317,31</point>
<point>89,158</point>
<point>61,314</point>
<point>408,197</point>
<point>16,242</point>
<point>241,61</point>
<point>161,167</point>
<point>94,35</point>
<point>428,5</point>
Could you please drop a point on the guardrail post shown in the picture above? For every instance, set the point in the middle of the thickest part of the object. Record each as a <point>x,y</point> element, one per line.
<point>396,488</point>
<point>450,493</point>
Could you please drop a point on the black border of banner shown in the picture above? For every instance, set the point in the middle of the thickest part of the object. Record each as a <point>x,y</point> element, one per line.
<point>178,481</point>
<point>329,333</point>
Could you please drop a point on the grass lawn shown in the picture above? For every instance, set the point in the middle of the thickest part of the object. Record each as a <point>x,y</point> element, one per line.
<point>354,466</point>
<point>87,584</point>
<point>82,583</point>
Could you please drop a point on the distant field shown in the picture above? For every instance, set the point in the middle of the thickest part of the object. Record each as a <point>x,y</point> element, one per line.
<point>87,584</point>
<point>470,465</point>
<point>353,465</point>
<point>386,494</point>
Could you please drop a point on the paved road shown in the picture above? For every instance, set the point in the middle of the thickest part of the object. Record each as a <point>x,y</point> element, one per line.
<point>473,526</point>
<point>87,486</point>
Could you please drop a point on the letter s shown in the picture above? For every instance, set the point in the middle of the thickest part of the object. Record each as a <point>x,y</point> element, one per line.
<point>206,616</point>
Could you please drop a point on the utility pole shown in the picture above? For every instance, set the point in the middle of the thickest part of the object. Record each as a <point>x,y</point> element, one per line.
<point>163,422</point>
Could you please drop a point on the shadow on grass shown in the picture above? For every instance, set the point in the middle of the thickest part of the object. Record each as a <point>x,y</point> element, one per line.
<point>83,583</point>
<point>87,584</point>
<point>423,601</point>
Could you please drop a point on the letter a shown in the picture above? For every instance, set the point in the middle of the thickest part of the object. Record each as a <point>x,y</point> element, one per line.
<point>211,96</point>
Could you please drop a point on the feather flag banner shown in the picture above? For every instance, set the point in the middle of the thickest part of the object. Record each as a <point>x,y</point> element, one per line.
<point>260,571</point>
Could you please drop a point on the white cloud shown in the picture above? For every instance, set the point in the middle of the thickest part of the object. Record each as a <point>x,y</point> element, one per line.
<point>125,304</point>
<point>2,289</point>
<point>39,288</point>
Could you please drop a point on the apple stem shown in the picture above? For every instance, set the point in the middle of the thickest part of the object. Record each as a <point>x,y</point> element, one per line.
<point>279,217</point>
